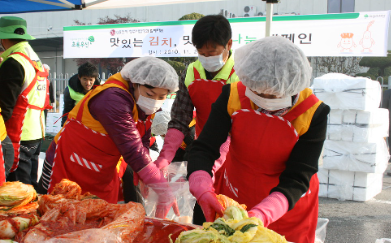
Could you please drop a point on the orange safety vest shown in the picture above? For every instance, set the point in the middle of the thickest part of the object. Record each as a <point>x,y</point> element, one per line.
<point>15,124</point>
<point>85,153</point>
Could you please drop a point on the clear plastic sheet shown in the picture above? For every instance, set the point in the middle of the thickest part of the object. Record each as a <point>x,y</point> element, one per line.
<point>176,175</point>
<point>341,91</point>
<point>346,185</point>
<point>356,157</point>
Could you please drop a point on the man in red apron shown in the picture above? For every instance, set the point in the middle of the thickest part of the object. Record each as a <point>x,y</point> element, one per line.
<point>212,36</point>
<point>277,129</point>
<point>109,123</point>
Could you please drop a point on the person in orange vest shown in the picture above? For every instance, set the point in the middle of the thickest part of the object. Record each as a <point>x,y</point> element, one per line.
<point>110,121</point>
<point>277,128</point>
<point>23,98</point>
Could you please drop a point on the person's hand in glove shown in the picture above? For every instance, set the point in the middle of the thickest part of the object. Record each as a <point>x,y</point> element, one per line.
<point>271,208</point>
<point>153,177</point>
<point>172,142</point>
<point>201,186</point>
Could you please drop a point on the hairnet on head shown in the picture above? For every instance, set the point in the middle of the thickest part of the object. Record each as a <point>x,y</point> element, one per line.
<point>274,66</point>
<point>151,71</point>
<point>160,123</point>
<point>46,66</point>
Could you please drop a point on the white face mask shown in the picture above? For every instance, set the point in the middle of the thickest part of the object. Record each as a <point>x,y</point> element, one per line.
<point>212,63</point>
<point>148,105</point>
<point>269,104</point>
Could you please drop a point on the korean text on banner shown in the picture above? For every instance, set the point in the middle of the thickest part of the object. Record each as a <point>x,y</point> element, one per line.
<point>345,34</point>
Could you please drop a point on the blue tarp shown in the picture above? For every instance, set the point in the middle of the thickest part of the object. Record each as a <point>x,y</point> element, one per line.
<point>23,6</point>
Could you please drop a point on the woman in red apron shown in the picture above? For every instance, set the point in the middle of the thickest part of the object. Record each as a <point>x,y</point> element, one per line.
<point>277,129</point>
<point>110,122</point>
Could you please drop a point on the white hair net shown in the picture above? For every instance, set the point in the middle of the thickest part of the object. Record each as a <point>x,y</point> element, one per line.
<point>160,123</point>
<point>151,71</point>
<point>274,66</point>
<point>46,66</point>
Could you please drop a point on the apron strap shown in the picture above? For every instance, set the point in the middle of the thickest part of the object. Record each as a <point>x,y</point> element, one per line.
<point>196,74</point>
<point>34,107</point>
<point>25,92</point>
<point>229,76</point>
<point>244,100</point>
<point>301,108</point>
<point>37,73</point>
<point>232,72</point>
<point>44,74</point>
<point>81,109</point>
<point>119,83</point>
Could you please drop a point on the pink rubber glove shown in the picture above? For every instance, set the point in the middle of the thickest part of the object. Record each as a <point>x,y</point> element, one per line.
<point>154,178</point>
<point>271,208</point>
<point>201,186</point>
<point>172,142</point>
<point>224,148</point>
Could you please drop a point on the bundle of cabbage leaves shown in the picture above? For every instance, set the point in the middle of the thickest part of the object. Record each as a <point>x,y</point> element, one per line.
<point>234,226</point>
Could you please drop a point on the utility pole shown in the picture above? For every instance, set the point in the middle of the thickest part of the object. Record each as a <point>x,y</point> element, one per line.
<point>269,15</point>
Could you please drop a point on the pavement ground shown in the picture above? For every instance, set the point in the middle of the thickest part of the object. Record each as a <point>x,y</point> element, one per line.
<point>358,222</point>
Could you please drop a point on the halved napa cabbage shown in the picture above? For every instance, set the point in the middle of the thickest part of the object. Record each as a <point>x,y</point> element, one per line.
<point>16,194</point>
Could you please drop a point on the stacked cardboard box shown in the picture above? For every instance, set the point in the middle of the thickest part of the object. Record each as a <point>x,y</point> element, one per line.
<point>355,153</point>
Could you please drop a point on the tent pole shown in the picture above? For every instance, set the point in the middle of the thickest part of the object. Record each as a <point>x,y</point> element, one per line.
<point>64,4</point>
<point>269,18</point>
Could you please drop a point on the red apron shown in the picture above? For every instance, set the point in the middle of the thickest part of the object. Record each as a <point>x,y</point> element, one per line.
<point>91,164</point>
<point>2,166</point>
<point>15,124</point>
<point>256,159</point>
<point>204,93</point>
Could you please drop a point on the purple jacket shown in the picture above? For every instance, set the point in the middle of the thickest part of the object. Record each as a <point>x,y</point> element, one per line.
<point>113,109</point>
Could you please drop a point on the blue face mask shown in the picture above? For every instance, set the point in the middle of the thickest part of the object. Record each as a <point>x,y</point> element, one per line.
<point>212,63</point>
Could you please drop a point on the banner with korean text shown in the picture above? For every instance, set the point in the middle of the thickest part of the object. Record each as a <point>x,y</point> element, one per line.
<point>345,34</point>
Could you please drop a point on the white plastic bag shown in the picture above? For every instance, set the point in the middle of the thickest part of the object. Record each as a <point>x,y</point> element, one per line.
<point>176,175</point>
<point>383,240</point>
<point>320,233</point>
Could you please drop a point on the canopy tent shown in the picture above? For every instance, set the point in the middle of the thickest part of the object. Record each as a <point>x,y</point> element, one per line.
<point>105,4</point>
<point>24,6</point>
